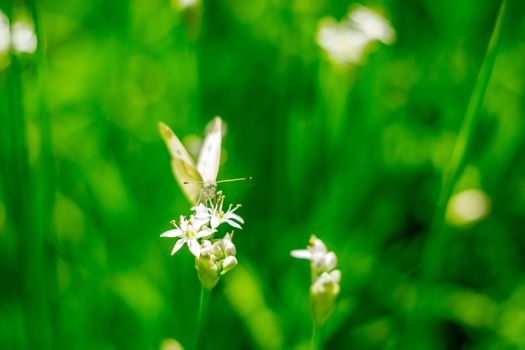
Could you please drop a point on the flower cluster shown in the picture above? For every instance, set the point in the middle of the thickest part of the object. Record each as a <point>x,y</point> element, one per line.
<point>347,42</point>
<point>325,277</point>
<point>213,257</point>
<point>216,258</point>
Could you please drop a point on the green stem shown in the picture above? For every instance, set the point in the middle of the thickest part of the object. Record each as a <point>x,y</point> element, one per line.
<point>436,242</point>
<point>202,317</point>
<point>20,202</point>
<point>45,181</point>
<point>317,335</point>
<point>423,324</point>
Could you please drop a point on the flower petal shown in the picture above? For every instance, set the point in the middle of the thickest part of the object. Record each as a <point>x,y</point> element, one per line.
<point>301,254</point>
<point>336,275</point>
<point>317,245</point>
<point>205,244</point>
<point>229,263</point>
<point>330,261</point>
<point>205,233</point>
<point>172,233</point>
<point>200,217</point>
<point>235,217</point>
<point>215,221</point>
<point>228,247</point>
<point>233,224</point>
<point>177,246</point>
<point>195,248</point>
<point>198,222</point>
<point>200,209</point>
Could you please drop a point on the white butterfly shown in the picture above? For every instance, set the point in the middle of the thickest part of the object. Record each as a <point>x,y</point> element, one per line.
<point>198,183</point>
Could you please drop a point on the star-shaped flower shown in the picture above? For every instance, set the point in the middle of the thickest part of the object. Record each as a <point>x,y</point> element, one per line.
<point>188,232</point>
<point>215,214</point>
<point>322,260</point>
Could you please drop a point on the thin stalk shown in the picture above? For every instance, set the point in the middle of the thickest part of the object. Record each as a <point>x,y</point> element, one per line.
<point>317,336</point>
<point>19,196</point>
<point>423,324</point>
<point>202,317</point>
<point>45,184</point>
<point>436,242</point>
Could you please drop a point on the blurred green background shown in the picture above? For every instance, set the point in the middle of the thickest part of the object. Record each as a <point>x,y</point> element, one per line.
<point>353,154</point>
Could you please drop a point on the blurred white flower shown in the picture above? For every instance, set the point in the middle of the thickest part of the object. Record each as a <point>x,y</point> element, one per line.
<point>322,260</point>
<point>188,232</point>
<point>24,37</point>
<point>325,278</point>
<point>327,282</point>
<point>5,37</point>
<point>346,42</point>
<point>371,24</point>
<point>342,43</point>
<point>184,4</point>
<point>170,344</point>
<point>468,207</point>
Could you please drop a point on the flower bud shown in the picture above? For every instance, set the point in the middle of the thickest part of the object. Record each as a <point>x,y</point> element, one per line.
<point>228,246</point>
<point>330,261</point>
<point>216,250</point>
<point>228,264</point>
<point>317,245</point>
<point>215,260</point>
<point>207,269</point>
<point>325,279</point>
<point>324,292</point>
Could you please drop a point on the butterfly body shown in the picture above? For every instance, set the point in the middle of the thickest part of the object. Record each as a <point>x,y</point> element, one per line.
<point>209,190</point>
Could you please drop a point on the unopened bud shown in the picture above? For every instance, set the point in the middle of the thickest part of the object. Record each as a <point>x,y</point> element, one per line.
<point>330,261</point>
<point>228,264</point>
<point>324,292</point>
<point>228,246</point>
<point>215,260</point>
<point>208,270</point>
<point>317,244</point>
<point>216,250</point>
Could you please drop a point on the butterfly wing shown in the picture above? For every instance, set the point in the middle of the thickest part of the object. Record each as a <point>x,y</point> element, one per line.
<point>182,165</point>
<point>210,154</point>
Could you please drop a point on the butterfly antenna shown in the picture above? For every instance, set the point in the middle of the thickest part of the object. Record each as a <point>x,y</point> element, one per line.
<point>193,182</point>
<point>238,179</point>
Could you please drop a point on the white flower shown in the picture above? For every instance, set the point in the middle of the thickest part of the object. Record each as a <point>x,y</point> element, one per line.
<point>342,43</point>
<point>201,213</point>
<point>189,231</point>
<point>372,24</point>
<point>316,247</point>
<point>322,260</point>
<point>325,278</point>
<point>467,207</point>
<point>215,214</point>
<point>24,37</point>
<point>347,42</point>
<point>5,36</point>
